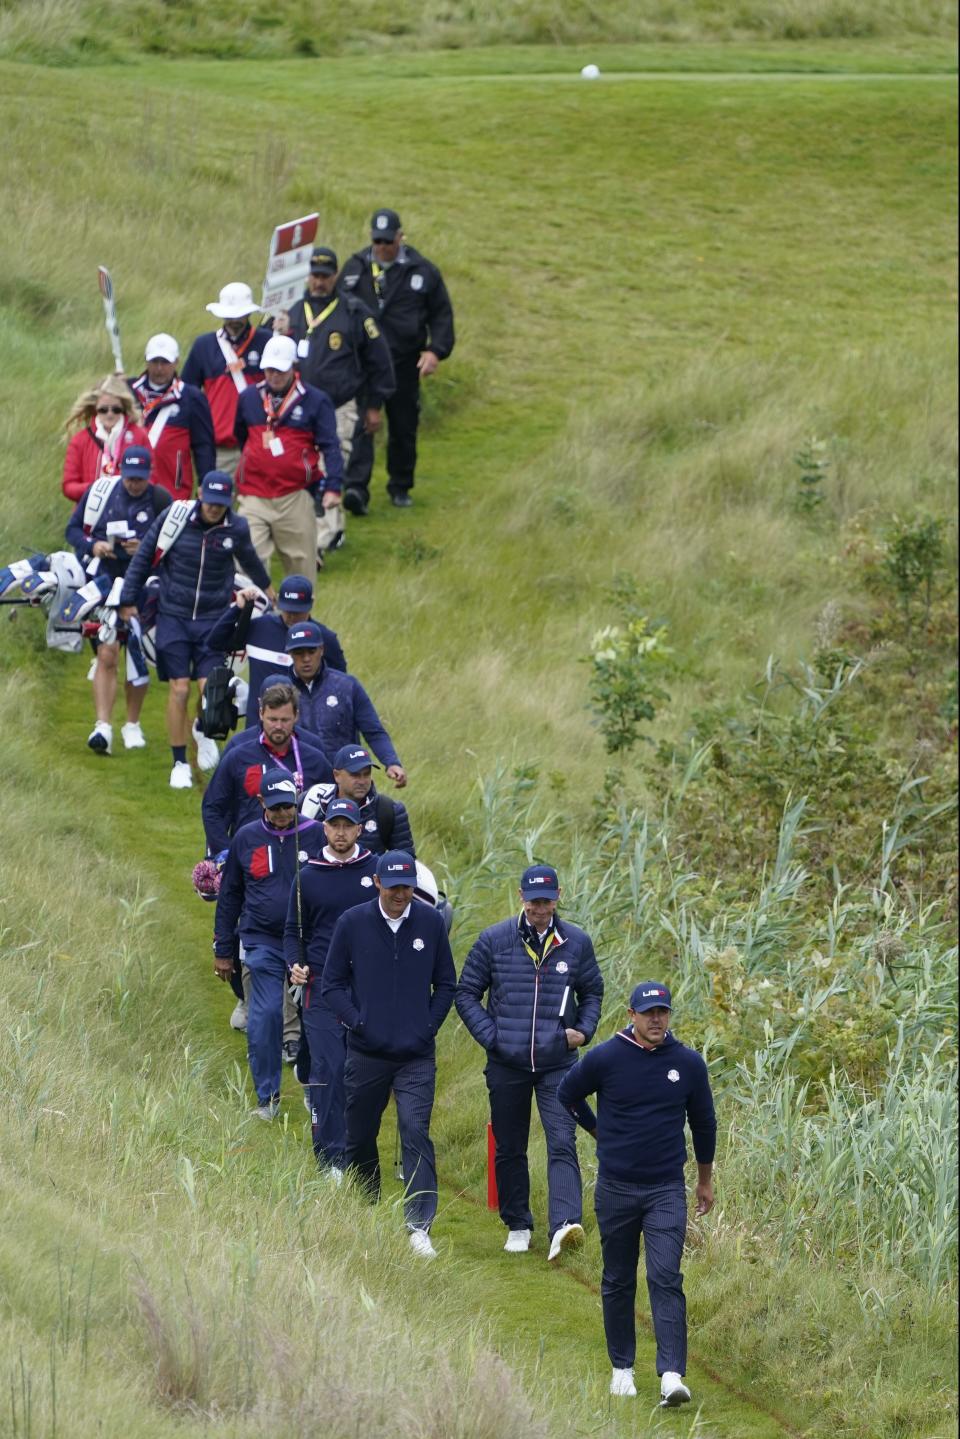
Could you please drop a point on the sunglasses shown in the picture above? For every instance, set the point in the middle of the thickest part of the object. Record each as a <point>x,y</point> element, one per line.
<point>110,410</point>
<point>379,240</point>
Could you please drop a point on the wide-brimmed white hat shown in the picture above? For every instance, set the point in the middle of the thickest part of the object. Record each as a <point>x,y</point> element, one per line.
<point>236,300</point>
<point>279,353</point>
<point>162,347</point>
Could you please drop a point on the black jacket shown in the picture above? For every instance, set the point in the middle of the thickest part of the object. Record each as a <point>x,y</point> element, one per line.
<point>409,299</point>
<point>344,352</point>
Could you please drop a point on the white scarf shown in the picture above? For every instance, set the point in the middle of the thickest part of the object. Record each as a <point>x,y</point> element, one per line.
<point>111,443</point>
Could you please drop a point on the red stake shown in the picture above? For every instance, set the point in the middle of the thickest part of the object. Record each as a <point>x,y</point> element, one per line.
<point>493,1199</point>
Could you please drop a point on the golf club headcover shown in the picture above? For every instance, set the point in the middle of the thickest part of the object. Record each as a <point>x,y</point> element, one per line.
<point>241,693</point>
<point>40,582</point>
<point>19,571</point>
<point>83,600</point>
<point>206,879</point>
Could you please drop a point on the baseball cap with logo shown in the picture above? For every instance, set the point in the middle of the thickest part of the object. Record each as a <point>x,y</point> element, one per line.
<point>162,347</point>
<point>396,867</point>
<point>278,787</point>
<point>353,758</point>
<point>279,353</point>
<point>217,488</point>
<point>304,635</point>
<point>295,595</point>
<point>650,994</point>
<point>323,261</point>
<point>342,809</point>
<point>540,882</point>
<point>136,463</point>
<point>384,225</point>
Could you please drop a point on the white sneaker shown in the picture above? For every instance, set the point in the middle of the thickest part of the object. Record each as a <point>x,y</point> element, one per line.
<point>568,1236</point>
<point>673,1391</point>
<point>335,1177</point>
<point>180,776</point>
<point>238,1019</point>
<point>267,1110</point>
<point>208,756</point>
<point>93,668</point>
<point>132,736</point>
<point>420,1244</point>
<point>518,1241</point>
<point>101,738</point>
<point>621,1384</point>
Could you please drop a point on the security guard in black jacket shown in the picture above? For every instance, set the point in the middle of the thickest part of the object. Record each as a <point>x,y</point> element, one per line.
<point>341,350</point>
<point>408,296</point>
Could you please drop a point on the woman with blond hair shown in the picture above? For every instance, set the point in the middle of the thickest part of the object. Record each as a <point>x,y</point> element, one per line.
<point>103,423</point>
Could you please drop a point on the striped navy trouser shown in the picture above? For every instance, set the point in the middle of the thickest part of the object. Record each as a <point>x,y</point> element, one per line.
<point>368,1080</point>
<point>659,1213</point>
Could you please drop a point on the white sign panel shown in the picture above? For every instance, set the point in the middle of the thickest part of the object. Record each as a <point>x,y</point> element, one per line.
<point>288,263</point>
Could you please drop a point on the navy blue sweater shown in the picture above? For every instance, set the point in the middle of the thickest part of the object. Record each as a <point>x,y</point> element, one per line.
<point>337,709</point>
<point>392,990</point>
<point>378,813</point>
<point>328,888</point>
<point>231,798</point>
<point>644,1098</point>
<point>256,883</point>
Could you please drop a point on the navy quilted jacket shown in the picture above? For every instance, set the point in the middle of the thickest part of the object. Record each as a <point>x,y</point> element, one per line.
<point>521,1023</point>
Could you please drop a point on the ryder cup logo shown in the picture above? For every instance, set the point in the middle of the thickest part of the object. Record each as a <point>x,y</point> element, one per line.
<point>302,856</point>
<point>228,544</point>
<point>418,944</point>
<point>366,882</point>
<point>370,826</point>
<point>562,966</point>
<point>673,1076</point>
<point>332,701</point>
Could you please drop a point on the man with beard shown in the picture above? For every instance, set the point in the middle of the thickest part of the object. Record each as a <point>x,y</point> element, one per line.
<point>283,426</point>
<point>177,419</point>
<point>226,362</point>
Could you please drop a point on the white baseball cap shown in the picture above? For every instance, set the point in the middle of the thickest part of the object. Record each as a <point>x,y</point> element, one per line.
<point>162,347</point>
<point>279,353</point>
<point>236,300</point>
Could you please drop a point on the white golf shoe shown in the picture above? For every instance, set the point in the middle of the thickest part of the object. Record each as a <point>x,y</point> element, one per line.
<point>132,736</point>
<point>673,1391</point>
<point>268,1110</point>
<point>518,1241</point>
<point>568,1236</point>
<point>208,756</point>
<point>420,1244</point>
<point>181,776</point>
<point>101,738</point>
<point>621,1384</point>
<point>238,1019</point>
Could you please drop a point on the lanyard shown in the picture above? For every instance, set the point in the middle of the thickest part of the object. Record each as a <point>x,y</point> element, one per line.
<point>551,942</point>
<point>298,771</point>
<point>150,402</point>
<point>378,282</point>
<point>313,323</point>
<point>275,416</point>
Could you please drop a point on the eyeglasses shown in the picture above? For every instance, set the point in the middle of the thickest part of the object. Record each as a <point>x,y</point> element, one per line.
<point>110,410</point>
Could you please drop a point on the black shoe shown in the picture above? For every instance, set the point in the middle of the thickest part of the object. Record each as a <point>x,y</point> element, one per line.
<point>402,500</point>
<point>320,561</point>
<point>354,502</point>
<point>337,542</point>
<point>290,1051</point>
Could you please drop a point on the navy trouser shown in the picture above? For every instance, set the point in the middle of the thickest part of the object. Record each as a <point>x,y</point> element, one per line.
<point>327,1042</point>
<point>268,979</point>
<point>368,1079</point>
<point>403,418</point>
<point>511,1093</point>
<point>659,1213</point>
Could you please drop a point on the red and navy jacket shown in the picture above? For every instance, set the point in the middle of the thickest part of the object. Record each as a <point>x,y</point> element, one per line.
<point>206,368</point>
<point>281,444</point>
<point>256,883</point>
<point>231,798</point>
<point>187,431</point>
<point>328,888</point>
<point>84,458</point>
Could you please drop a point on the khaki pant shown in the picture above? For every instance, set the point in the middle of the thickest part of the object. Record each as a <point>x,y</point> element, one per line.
<point>287,524</point>
<point>333,521</point>
<point>227,460</point>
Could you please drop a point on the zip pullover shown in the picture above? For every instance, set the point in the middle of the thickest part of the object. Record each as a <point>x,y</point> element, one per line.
<point>644,1098</point>
<point>328,888</point>
<point>392,990</point>
<point>256,882</point>
<point>338,710</point>
<point>232,796</point>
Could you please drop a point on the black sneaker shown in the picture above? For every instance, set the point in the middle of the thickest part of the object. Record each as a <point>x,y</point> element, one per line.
<point>290,1051</point>
<point>354,502</point>
<point>337,542</point>
<point>402,500</point>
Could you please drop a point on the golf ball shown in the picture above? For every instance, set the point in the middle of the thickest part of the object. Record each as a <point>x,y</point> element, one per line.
<point>590,72</point>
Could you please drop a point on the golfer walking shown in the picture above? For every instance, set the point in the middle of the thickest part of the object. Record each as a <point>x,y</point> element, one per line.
<point>648,1086</point>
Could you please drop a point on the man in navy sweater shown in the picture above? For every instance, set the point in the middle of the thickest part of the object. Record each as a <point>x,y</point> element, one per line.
<point>389,978</point>
<point>341,878</point>
<point>648,1086</point>
<point>260,871</point>
<point>386,824</point>
<point>544,994</point>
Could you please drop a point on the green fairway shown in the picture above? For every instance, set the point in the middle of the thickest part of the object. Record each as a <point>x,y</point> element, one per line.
<point>669,284</point>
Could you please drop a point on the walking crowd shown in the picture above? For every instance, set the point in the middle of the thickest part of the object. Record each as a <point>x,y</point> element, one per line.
<point>328,928</point>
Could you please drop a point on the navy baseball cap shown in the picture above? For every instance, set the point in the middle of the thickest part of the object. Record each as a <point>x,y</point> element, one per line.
<point>540,882</point>
<point>650,994</point>
<point>396,867</point>
<point>217,488</point>
<point>295,595</point>
<point>276,679</point>
<point>353,758</point>
<point>384,225</point>
<point>342,809</point>
<point>304,635</point>
<point>324,261</point>
<point>136,463</point>
<point>277,787</point>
